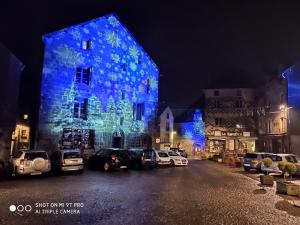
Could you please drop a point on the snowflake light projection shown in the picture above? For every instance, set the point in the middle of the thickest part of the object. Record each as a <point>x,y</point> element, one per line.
<point>195,130</point>
<point>122,75</point>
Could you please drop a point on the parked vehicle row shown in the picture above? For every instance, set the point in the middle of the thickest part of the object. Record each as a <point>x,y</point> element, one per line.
<point>255,161</point>
<point>37,162</point>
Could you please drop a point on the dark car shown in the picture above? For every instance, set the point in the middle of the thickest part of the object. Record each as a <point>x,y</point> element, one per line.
<point>142,158</point>
<point>110,158</point>
<point>253,160</point>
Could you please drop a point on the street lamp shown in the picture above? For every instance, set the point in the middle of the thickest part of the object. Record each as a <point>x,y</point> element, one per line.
<point>173,133</point>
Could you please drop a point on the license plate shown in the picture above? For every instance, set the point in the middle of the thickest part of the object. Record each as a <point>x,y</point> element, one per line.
<point>36,173</point>
<point>147,160</point>
<point>246,164</point>
<point>123,167</point>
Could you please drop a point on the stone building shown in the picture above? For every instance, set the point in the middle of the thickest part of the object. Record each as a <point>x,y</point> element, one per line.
<point>292,112</point>
<point>166,129</point>
<point>182,129</point>
<point>273,119</point>
<point>10,74</point>
<point>99,88</point>
<point>230,123</point>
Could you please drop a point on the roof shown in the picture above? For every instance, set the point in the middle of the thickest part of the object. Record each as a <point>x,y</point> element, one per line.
<point>54,33</point>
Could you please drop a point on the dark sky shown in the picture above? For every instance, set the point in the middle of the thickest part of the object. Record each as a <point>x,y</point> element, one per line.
<point>196,44</point>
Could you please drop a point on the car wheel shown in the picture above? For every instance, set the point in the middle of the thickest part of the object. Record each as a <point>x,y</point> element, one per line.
<point>106,167</point>
<point>172,163</point>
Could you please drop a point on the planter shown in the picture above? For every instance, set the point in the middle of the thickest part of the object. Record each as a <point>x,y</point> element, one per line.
<point>266,180</point>
<point>287,188</point>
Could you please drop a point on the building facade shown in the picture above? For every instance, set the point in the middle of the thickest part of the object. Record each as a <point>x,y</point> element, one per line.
<point>166,129</point>
<point>230,123</point>
<point>273,119</point>
<point>292,75</point>
<point>99,88</point>
<point>10,74</point>
<point>182,129</point>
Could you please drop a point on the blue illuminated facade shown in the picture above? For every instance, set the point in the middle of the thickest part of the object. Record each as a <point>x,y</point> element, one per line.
<point>292,75</point>
<point>99,87</point>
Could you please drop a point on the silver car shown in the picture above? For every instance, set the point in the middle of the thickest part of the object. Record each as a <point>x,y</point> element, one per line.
<point>30,162</point>
<point>276,159</point>
<point>67,160</point>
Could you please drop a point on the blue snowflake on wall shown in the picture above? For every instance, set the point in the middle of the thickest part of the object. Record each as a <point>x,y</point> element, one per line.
<point>100,63</point>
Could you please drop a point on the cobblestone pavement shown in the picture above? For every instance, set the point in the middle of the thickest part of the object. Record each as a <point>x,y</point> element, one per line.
<point>202,193</point>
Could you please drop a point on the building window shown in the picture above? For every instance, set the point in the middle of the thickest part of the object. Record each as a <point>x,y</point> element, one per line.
<point>239,103</point>
<point>83,75</point>
<point>167,126</point>
<point>148,86</point>
<point>218,121</point>
<point>216,104</point>
<point>86,44</point>
<point>80,109</point>
<point>138,111</point>
<point>168,115</point>
<point>123,95</point>
<point>121,121</point>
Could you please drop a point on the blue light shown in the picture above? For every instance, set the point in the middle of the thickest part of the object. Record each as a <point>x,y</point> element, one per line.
<point>195,130</point>
<point>122,75</point>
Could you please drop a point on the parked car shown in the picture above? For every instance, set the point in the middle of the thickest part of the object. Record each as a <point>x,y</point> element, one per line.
<point>276,158</point>
<point>110,158</point>
<point>253,160</point>
<point>162,158</point>
<point>29,162</point>
<point>181,152</point>
<point>67,160</point>
<point>142,158</point>
<point>297,162</point>
<point>177,160</point>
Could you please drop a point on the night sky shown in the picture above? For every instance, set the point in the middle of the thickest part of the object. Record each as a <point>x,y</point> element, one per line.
<point>195,45</point>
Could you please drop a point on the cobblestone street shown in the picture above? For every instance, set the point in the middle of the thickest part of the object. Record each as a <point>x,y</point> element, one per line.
<point>202,193</point>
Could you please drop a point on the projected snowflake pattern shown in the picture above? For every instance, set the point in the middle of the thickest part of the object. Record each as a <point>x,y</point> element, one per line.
<point>120,67</point>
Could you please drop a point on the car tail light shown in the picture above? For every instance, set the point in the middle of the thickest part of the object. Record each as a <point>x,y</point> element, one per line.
<point>113,157</point>
<point>142,158</point>
<point>22,162</point>
<point>63,161</point>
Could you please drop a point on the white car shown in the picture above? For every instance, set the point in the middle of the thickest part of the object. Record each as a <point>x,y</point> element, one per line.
<point>162,158</point>
<point>276,159</point>
<point>177,160</point>
<point>30,162</point>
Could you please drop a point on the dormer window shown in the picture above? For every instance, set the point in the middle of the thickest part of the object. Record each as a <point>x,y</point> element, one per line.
<point>86,44</point>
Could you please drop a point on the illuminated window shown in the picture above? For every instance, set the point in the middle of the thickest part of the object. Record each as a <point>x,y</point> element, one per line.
<point>80,109</point>
<point>86,44</point>
<point>83,75</point>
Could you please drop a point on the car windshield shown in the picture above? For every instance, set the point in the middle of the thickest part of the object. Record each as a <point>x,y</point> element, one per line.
<point>33,155</point>
<point>70,155</point>
<point>297,159</point>
<point>173,154</point>
<point>251,155</point>
<point>162,154</point>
